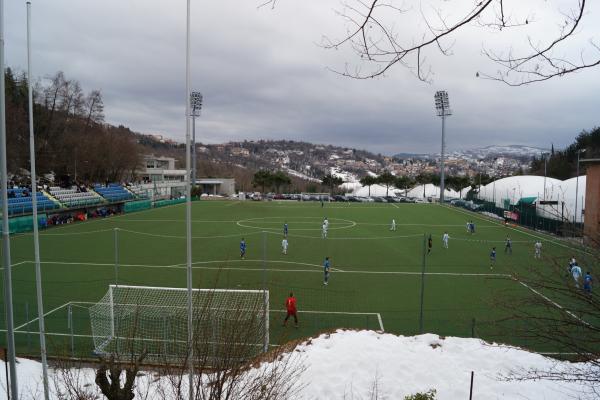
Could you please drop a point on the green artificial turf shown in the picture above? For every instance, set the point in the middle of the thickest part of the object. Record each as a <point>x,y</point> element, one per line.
<point>376,273</point>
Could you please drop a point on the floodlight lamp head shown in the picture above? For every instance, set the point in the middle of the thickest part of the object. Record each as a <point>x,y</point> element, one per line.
<point>442,103</point>
<point>196,102</point>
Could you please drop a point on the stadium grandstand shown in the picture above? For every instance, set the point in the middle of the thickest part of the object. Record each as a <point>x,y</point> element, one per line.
<point>21,202</point>
<point>138,191</point>
<point>75,197</point>
<point>113,192</point>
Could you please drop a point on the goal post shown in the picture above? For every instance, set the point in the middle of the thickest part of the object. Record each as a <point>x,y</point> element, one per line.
<point>311,196</point>
<point>153,320</point>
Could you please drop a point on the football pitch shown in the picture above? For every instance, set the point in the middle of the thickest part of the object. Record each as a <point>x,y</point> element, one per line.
<point>376,279</point>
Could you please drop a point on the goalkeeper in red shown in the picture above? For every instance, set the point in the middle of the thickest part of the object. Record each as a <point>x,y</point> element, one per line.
<point>290,306</point>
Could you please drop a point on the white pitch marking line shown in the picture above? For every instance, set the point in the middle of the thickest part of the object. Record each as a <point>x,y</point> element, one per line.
<point>182,266</point>
<point>274,311</point>
<point>16,264</point>
<point>380,322</point>
<point>554,303</point>
<point>45,315</point>
<point>394,205</point>
<point>326,312</point>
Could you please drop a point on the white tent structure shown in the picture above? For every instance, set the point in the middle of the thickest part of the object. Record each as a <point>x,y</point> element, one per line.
<point>433,191</point>
<point>421,191</point>
<point>376,190</point>
<point>528,188</point>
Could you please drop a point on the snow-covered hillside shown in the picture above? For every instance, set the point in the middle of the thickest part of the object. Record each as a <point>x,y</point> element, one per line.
<point>346,364</point>
<point>506,151</point>
<point>510,151</point>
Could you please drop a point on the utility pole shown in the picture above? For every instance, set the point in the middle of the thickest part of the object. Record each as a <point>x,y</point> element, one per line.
<point>36,234</point>
<point>8,297</point>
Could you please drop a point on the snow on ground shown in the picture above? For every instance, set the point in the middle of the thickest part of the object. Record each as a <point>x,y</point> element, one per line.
<point>301,175</point>
<point>351,181</point>
<point>345,364</point>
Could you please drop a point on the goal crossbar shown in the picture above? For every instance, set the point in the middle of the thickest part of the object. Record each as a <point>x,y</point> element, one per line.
<point>185,289</point>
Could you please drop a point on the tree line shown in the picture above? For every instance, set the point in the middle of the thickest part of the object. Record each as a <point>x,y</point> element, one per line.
<point>272,180</point>
<point>276,180</point>
<point>457,183</point>
<point>71,139</point>
<point>562,164</point>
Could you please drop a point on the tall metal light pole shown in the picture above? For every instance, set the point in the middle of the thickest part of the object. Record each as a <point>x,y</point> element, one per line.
<point>577,186</point>
<point>8,304</point>
<point>442,105</point>
<point>196,104</point>
<point>36,236</point>
<point>188,208</point>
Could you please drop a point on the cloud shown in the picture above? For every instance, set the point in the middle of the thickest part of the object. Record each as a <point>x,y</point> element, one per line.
<point>264,76</point>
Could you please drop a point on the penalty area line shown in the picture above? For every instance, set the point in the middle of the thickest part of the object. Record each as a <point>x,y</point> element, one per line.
<point>555,304</point>
<point>45,315</point>
<point>317,268</point>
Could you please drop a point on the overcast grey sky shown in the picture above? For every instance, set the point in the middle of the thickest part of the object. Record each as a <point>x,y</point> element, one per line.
<point>264,76</point>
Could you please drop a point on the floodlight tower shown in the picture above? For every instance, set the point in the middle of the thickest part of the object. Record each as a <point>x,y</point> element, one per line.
<point>442,106</point>
<point>196,105</point>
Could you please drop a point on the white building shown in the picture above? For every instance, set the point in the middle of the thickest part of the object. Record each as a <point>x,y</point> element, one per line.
<point>160,169</point>
<point>163,180</point>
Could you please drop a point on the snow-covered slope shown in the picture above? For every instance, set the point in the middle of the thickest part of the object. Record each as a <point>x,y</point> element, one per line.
<point>345,365</point>
<point>510,151</point>
<point>507,151</point>
<point>348,361</point>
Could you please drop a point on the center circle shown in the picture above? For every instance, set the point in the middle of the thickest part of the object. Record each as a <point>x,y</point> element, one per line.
<point>271,223</point>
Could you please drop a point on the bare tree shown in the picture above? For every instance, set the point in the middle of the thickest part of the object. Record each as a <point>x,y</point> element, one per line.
<point>94,108</point>
<point>109,375</point>
<point>377,34</point>
<point>227,361</point>
<point>70,382</point>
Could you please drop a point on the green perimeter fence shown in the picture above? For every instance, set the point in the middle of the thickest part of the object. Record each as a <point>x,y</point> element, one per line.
<point>25,223</point>
<point>528,217</point>
<point>69,332</point>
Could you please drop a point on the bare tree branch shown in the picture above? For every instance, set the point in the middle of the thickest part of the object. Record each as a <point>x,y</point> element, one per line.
<point>372,36</point>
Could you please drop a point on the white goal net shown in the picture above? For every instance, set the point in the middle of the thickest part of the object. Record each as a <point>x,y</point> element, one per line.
<point>154,321</point>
